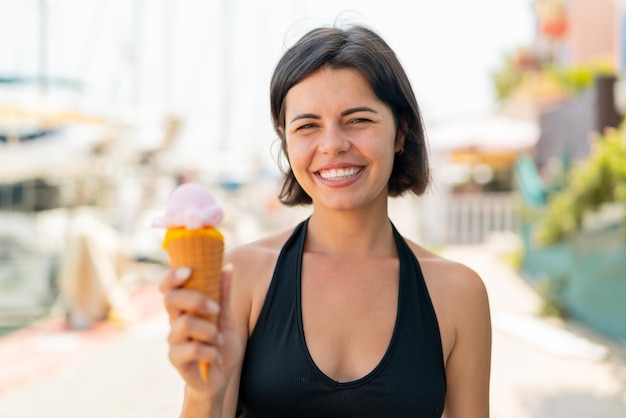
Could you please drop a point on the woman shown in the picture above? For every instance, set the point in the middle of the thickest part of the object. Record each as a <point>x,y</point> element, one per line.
<point>340,316</point>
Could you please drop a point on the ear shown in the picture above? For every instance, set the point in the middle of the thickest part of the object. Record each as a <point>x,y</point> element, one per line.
<point>283,142</point>
<point>401,137</point>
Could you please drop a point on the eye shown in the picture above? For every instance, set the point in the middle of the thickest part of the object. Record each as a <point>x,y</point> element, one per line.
<point>305,126</point>
<point>357,121</point>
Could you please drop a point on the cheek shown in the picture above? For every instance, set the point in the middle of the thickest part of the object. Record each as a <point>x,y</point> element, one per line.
<point>296,150</point>
<point>288,149</point>
<point>294,156</point>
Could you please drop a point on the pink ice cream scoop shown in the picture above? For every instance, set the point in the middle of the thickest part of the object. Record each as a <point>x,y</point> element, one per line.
<point>191,206</point>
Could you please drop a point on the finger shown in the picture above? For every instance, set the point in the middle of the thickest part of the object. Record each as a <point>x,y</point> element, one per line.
<point>173,314</point>
<point>189,327</point>
<point>190,301</point>
<point>182,355</point>
<point>174,278</point>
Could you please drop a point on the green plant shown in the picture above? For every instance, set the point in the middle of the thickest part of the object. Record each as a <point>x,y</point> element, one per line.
<point>551,289</point>
<point>572,80</point>
<point>514,258</point>
<point>506,79</point>
<point>575,80</point>
<point>599,179</point>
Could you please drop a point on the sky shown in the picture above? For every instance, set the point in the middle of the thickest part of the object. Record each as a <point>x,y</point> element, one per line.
<point>210,61</point>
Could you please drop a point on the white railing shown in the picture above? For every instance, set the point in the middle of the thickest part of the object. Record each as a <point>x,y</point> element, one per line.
<point>472,217</point>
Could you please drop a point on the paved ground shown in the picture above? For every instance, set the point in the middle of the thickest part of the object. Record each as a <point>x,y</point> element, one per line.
<point>541,368</point>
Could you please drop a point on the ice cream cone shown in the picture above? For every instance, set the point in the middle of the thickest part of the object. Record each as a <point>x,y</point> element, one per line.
<point>201,250</point>
<point>193,240</point>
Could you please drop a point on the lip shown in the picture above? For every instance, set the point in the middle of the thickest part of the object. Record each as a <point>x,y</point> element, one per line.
<point>338,165</point>
<point>343,182</point>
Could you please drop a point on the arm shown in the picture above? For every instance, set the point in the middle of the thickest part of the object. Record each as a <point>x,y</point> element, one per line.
<point>469,364</point>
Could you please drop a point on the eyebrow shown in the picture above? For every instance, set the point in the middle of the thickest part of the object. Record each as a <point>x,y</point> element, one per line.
<point>305,116</point>
<point>358,109</point>
<point>344,113</point>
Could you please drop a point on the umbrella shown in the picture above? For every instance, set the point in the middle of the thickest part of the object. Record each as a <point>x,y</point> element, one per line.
<point>490,133</point>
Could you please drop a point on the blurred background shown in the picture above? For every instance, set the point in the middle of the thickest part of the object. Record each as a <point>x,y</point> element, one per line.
<point>105,106</point>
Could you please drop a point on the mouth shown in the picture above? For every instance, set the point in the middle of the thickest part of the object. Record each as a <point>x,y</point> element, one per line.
<point>336,174</point>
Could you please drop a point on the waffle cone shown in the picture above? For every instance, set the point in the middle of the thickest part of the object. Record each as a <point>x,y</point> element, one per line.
<point>203,254</point>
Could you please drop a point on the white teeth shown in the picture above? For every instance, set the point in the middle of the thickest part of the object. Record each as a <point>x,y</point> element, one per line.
<point>339,173</point>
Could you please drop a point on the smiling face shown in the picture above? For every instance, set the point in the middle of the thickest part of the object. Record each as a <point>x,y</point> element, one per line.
<point>340,139</point>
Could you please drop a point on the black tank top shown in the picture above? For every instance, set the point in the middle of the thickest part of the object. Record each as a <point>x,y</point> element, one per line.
<point>280,379</point>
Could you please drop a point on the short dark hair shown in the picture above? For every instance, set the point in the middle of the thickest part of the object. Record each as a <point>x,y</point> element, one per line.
<point>362,49</point>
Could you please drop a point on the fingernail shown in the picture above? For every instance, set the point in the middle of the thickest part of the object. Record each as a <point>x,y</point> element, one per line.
<point>182,273</point>
<point>229,267</point>
<point>220,339</point>
<point>212,307</point>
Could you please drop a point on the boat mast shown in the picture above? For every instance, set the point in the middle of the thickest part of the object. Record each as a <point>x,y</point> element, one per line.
<point>43,47</point>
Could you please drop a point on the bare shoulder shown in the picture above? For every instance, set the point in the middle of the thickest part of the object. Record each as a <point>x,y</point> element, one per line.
<point>252,259</point>
<point>458,293</point>
<point>448,276</point>
<point>255,251</point>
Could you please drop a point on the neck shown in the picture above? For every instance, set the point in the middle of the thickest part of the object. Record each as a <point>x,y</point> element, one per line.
<point>351,234</point>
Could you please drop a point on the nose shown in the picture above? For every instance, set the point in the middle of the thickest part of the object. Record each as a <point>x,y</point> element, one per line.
<point>334,141</point>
